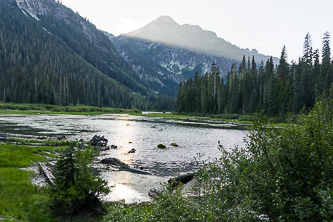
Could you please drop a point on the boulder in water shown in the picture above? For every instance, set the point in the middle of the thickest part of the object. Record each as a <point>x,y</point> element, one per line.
<point>183,179</point>
<point>99,141</point>
<point>131,151</point>
<point>154,192</point>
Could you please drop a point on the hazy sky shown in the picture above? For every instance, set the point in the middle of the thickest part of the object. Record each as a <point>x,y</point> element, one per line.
<point>265,25</point>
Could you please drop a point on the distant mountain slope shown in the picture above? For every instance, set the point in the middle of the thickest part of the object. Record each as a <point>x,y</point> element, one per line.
<point>162,67</point>
<point>165,30</point>
<point>163,52</point>
<point>84,39</point>
<point>48,54</point>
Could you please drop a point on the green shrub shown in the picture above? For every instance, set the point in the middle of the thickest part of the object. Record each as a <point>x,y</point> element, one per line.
<point>174,144</point>
<point>161,146</point>
<point>19,198</point>
<point>281,175</point>
<point>76,188</point>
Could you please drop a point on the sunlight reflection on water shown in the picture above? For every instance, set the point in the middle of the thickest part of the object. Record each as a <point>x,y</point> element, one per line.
<point>141,133</point>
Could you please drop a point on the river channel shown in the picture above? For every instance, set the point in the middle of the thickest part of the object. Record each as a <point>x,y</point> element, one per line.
<point>141,133</point>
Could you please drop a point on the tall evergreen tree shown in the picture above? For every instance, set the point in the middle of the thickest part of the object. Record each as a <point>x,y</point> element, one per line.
<point>297,94</point>
<point>307,49</point>
<point>307,89</point>
<point>316,73</point>
<point>326,73</point>
<point>283,67</point>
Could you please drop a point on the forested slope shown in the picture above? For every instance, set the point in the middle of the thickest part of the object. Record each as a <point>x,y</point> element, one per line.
<point>277,89</point>
<point>39,64</point>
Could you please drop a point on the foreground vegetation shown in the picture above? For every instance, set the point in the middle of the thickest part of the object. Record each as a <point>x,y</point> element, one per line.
<point>282,174</point>
<point>74,187</point>
<point>19,198</point>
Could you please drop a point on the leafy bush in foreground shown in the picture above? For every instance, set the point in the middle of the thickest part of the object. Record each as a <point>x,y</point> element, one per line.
<point>280,175</point>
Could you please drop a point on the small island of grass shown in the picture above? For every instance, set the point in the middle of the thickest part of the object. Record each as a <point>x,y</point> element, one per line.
<point>161,146</point>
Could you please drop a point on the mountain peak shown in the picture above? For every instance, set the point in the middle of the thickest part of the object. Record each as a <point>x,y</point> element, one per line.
<point>164,19</point>
<point>166,31</point>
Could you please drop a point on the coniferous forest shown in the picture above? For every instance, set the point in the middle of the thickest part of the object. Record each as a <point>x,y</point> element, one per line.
<point>42,62</point>
<point>278,90</point>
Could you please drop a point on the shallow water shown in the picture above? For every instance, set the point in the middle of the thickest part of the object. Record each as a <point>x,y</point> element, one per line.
<point>141,133</point>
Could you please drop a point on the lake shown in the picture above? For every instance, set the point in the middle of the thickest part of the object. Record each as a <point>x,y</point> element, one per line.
<point>141,133</point>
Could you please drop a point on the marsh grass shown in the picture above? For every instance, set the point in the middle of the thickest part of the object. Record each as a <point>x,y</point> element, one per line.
<point>23,156</point>
<point>164,115</point>
<point>30,109</point>
<point>19,198</point>
<point>48,144</point>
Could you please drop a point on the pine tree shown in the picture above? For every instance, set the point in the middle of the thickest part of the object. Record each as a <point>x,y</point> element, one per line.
<point>326,72</point>
<point>75,186</point>
<point>307,88</point>
<point>180,100</point>
<point>197,92</point>
<point>297,93</point>
<point>204,94</point>
<point>234,91</point>
<point>283,67</point>
<point>307,50</point>
<point>316,73</point>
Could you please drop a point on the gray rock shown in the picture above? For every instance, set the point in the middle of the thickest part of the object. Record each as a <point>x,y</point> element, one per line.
<point>154,192</point>
<point>131,151</point>
<point>114,161</point>
<point>181,179</point>
<point>104,148</point>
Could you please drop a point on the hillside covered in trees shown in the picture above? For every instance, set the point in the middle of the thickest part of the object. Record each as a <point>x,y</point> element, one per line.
<point>279,90</point>
<point>57,57</point>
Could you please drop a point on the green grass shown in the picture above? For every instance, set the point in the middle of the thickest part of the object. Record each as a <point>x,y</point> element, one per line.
<point>48,142</point>
<point>174,144</point>
<point>164,115</point>
<point>19,198</point>
<point>21,156</point>
<point>161,146</point>
<point>32,109</point>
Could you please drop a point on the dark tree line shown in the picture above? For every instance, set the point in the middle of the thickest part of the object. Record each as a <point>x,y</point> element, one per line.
<point>278,90</point>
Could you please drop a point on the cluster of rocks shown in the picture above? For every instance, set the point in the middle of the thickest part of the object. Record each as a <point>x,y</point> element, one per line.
<point>99,141</point>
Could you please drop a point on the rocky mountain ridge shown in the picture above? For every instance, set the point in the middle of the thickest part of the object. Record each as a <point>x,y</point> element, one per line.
<point>164,52</point>
<point>192,37</point>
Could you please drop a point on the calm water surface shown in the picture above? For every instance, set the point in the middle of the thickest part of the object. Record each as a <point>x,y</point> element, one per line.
<point>141,133</point>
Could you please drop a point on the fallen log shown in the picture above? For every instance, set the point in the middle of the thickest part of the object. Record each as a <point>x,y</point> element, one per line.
<point>47,173</point>
<point>123,166</point>
<point>132,170</point>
